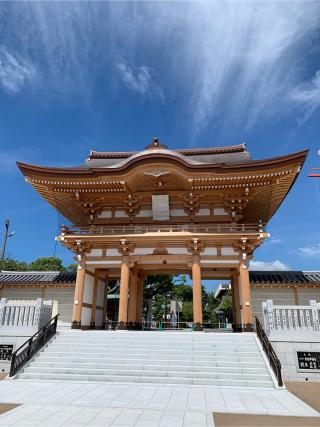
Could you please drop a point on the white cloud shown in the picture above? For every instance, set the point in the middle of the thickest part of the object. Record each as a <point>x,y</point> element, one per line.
<point>268,265</point>
<point>307,97</point>
<point>274,241</point>
<point>137,80</point>
<point>312,250</point>
<point>15,72</point>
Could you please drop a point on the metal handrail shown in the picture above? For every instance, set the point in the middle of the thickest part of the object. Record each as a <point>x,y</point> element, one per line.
<point>269,351</point>
<point>27,350</point>
<point>155,228</point>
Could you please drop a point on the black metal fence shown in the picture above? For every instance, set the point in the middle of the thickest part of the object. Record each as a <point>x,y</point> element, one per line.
<point>269,351</point>
<point>24,353</point>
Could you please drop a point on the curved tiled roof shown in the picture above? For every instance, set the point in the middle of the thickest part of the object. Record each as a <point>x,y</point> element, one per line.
<point>212,155</point>
<point>285,277</point>
<point>25,277</point>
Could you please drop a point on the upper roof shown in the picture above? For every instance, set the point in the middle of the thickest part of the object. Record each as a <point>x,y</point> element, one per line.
<point>78,193</point>
<point>196,156</point>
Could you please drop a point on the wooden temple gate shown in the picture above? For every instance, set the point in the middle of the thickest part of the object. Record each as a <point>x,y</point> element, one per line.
<point>198,211</point>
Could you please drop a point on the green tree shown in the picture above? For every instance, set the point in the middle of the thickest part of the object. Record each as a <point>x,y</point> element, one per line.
<point>72,267</point>
<point>226,306</point>
<point>186,314</point>
<point>47,264</point>
<point>210,303</point>
<point>13,265</point>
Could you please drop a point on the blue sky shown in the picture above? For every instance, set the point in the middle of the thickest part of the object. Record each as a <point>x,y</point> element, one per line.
<point>109,76</point>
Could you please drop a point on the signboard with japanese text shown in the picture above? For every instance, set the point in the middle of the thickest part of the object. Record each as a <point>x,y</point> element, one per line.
<point>308,360</point>
<point>6,351</point>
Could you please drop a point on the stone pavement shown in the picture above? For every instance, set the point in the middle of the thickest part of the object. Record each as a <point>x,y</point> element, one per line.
<point>113,404</point>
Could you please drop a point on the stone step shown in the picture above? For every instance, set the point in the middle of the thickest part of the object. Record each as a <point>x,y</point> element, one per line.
<point>222,362</point>
<point>164,358</point>
<point>145,357</point>
<point>150,353</point>
<point>148,379</point>
<point>135,373</point>
<point>135,346</point>
<point>153,367</point>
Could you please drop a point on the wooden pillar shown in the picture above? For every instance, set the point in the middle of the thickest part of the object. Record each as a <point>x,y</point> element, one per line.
<point>78,298</point>
<point>197,293</point>
<point>105,301</point>
<point>132,308</point>
<point>236,303</point>
<point>245,298</point>
<point>94,299</point>
<point>123,298</point>
<point>140,286</point>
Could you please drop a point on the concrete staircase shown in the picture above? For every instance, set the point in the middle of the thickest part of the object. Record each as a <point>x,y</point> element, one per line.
<point>197,358</point>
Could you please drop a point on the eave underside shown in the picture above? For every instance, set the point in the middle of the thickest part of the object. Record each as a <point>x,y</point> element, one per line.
<point>256,191</point>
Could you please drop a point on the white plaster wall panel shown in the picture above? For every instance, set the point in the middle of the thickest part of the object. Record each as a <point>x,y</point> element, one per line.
<point>178,251</point>
<point>228,251</point>
<point>144,213</point>
<point>88,289</point>
<point>143,251</point>
<point>219,211</point>
<point>105,214</point>
<point>103,262</point>
<point>217,261</point>
<point>307,294</point>
<point>86,316</point>
<point>178,212</point>
<point>99,314</point>
<point>176,262</point>
<point>209,251</point>
<point>100,293</point>
<point>203,212</point>
<point>120,214</point>
<point>152,262</point>
<point>22,293</point>
<point>279,296</point>
<point>112,252</point>
<point>64,299</point>
<point>95,252</point>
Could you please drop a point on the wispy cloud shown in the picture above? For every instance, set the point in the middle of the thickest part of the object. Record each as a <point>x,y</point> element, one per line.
<point>137,80</point>
<point>310,251</point>
<point>234,63</point>
<point>268,265</point>
<point>307,97</point>
<point>273,240</point>
<point>15,72</point>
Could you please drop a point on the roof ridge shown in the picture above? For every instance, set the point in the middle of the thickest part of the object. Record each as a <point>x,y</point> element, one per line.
<point>124,154</point>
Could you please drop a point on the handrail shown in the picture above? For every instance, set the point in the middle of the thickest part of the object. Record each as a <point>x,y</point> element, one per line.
<point>27,350</point>
<point>154,228</point>
<point>269,351</point>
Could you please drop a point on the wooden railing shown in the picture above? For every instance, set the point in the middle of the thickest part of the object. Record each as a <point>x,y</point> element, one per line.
<point>164,228</point>
<point>269,351</point>
<point>24,353</point>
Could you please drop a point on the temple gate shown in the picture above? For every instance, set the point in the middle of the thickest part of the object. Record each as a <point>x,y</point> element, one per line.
<point>199,211</point>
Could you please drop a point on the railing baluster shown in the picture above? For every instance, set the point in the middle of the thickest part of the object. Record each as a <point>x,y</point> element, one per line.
<point>128,229</point>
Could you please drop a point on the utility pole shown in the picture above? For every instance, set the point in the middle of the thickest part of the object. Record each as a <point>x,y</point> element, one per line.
<point>5,238</point>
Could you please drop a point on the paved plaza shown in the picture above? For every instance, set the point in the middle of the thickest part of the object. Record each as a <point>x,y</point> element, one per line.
<point>112,404</point>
